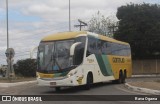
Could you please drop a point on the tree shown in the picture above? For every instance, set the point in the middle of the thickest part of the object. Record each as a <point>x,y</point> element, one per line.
<point>26,67</point>
<point>139,25</point>
<point>101,25</point>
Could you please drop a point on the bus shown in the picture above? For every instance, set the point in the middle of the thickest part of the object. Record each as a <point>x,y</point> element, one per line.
<point>82,58</point>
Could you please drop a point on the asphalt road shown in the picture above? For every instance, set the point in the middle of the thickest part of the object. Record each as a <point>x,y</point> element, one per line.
<point>98,89</point>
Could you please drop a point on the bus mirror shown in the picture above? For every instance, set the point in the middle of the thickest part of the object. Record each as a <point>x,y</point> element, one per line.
<point>73,48</point>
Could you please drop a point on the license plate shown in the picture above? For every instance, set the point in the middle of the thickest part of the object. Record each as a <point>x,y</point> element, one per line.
<point>52,83</point>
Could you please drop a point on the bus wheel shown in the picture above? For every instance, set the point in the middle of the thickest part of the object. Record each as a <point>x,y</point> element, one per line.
<point>121,79</point>
<point>89,81</point>
<point>124,76</point>
<point>57,89</point>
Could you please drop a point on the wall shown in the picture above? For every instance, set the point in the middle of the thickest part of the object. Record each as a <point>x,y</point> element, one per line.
<point>146,66</point>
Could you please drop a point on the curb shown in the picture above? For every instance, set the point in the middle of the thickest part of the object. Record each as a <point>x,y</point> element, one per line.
<point>154,75</point>
<point>144,90</point>
<point>16,84</point>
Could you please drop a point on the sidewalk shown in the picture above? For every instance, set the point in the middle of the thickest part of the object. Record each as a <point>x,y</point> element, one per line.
<point>148,87</point>
<point>16,83</point>
<point>15,88</point>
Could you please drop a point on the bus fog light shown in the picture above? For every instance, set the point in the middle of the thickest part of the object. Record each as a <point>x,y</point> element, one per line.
<point>72,73</point>
<point>69,75</point>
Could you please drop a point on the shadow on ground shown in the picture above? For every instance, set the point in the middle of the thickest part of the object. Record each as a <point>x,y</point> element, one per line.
<point>74,90</point>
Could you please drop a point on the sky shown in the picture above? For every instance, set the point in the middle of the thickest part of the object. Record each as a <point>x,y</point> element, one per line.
<point>30,20</point>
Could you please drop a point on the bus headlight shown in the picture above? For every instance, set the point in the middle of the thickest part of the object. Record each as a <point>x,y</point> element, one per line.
<point>71,74</point>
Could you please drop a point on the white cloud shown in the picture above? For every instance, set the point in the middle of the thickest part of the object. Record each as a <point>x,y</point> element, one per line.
<point>41,9</point>
<point>57,10</point>
<point>54,13</point>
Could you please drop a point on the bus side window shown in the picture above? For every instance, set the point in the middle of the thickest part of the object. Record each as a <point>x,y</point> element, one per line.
<point>104,47</point>
<point>91,46</point>
<point>99,47</point>
<point>79,52</point>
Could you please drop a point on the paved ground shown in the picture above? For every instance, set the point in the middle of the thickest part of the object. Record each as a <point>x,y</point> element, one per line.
<point>98,89</point>
<point>145,82</point>
<point>17,79</point>
<point>150,85</point>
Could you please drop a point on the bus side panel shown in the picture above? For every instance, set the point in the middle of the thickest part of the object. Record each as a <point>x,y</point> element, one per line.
<point>98,66</point>
<point>120,63</point>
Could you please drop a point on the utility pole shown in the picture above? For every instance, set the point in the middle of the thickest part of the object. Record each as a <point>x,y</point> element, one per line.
<point>81,24</point>
<point>9,51</point>
<point>8,71</point>
<point>69,16</point>
<point>7,23</point>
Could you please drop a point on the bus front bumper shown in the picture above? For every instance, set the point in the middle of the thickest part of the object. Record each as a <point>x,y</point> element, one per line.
<point>65,82</point>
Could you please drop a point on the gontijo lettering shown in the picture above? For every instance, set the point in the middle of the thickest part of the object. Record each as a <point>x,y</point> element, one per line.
<point>118,60</point>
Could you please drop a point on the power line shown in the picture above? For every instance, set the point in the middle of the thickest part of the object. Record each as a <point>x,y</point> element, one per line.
<point>25,31</point>
<point>42,35</point>
<point>41,27</point>
<point>37,33</point>
<point>82,23</point>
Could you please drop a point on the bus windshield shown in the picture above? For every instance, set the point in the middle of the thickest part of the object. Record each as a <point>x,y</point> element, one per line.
<point>54,56</point>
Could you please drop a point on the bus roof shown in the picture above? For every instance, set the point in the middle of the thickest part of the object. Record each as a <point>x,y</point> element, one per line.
<point>63,35</point>
<point>105,38</point>
<point>70,35</point>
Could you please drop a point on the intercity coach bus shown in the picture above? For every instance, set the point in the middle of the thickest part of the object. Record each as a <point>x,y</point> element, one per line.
<point>82,58</point>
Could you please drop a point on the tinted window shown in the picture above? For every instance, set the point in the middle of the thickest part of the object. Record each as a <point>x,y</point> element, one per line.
<point>119,49</point>
<point>54,56</point>
<point>81,39</point>
<point>79,50</point>
<point>92,46</point>
<point>96,46</point>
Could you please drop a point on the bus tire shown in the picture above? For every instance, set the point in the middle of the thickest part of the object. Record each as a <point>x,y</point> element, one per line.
<point>89,81</point>
<point>120,80</point>
<point>57,89</point>
<point>124,76</point>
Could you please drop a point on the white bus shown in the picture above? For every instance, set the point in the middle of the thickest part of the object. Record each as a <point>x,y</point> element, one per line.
<point>82,58</point>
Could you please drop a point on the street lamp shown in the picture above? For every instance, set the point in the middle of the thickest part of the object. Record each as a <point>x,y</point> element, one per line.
<point>7,23</point>
<point>9,51</point>
<point>69,17</point>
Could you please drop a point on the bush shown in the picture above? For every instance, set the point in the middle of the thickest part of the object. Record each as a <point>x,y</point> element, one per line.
<point>26,68</point>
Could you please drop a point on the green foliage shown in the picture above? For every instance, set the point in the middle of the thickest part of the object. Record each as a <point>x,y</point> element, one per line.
<point>26,68</point>
<point>139,25</point>
<point>101,25</point>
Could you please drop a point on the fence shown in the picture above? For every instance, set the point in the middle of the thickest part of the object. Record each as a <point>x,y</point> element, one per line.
<point>146,66</point>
